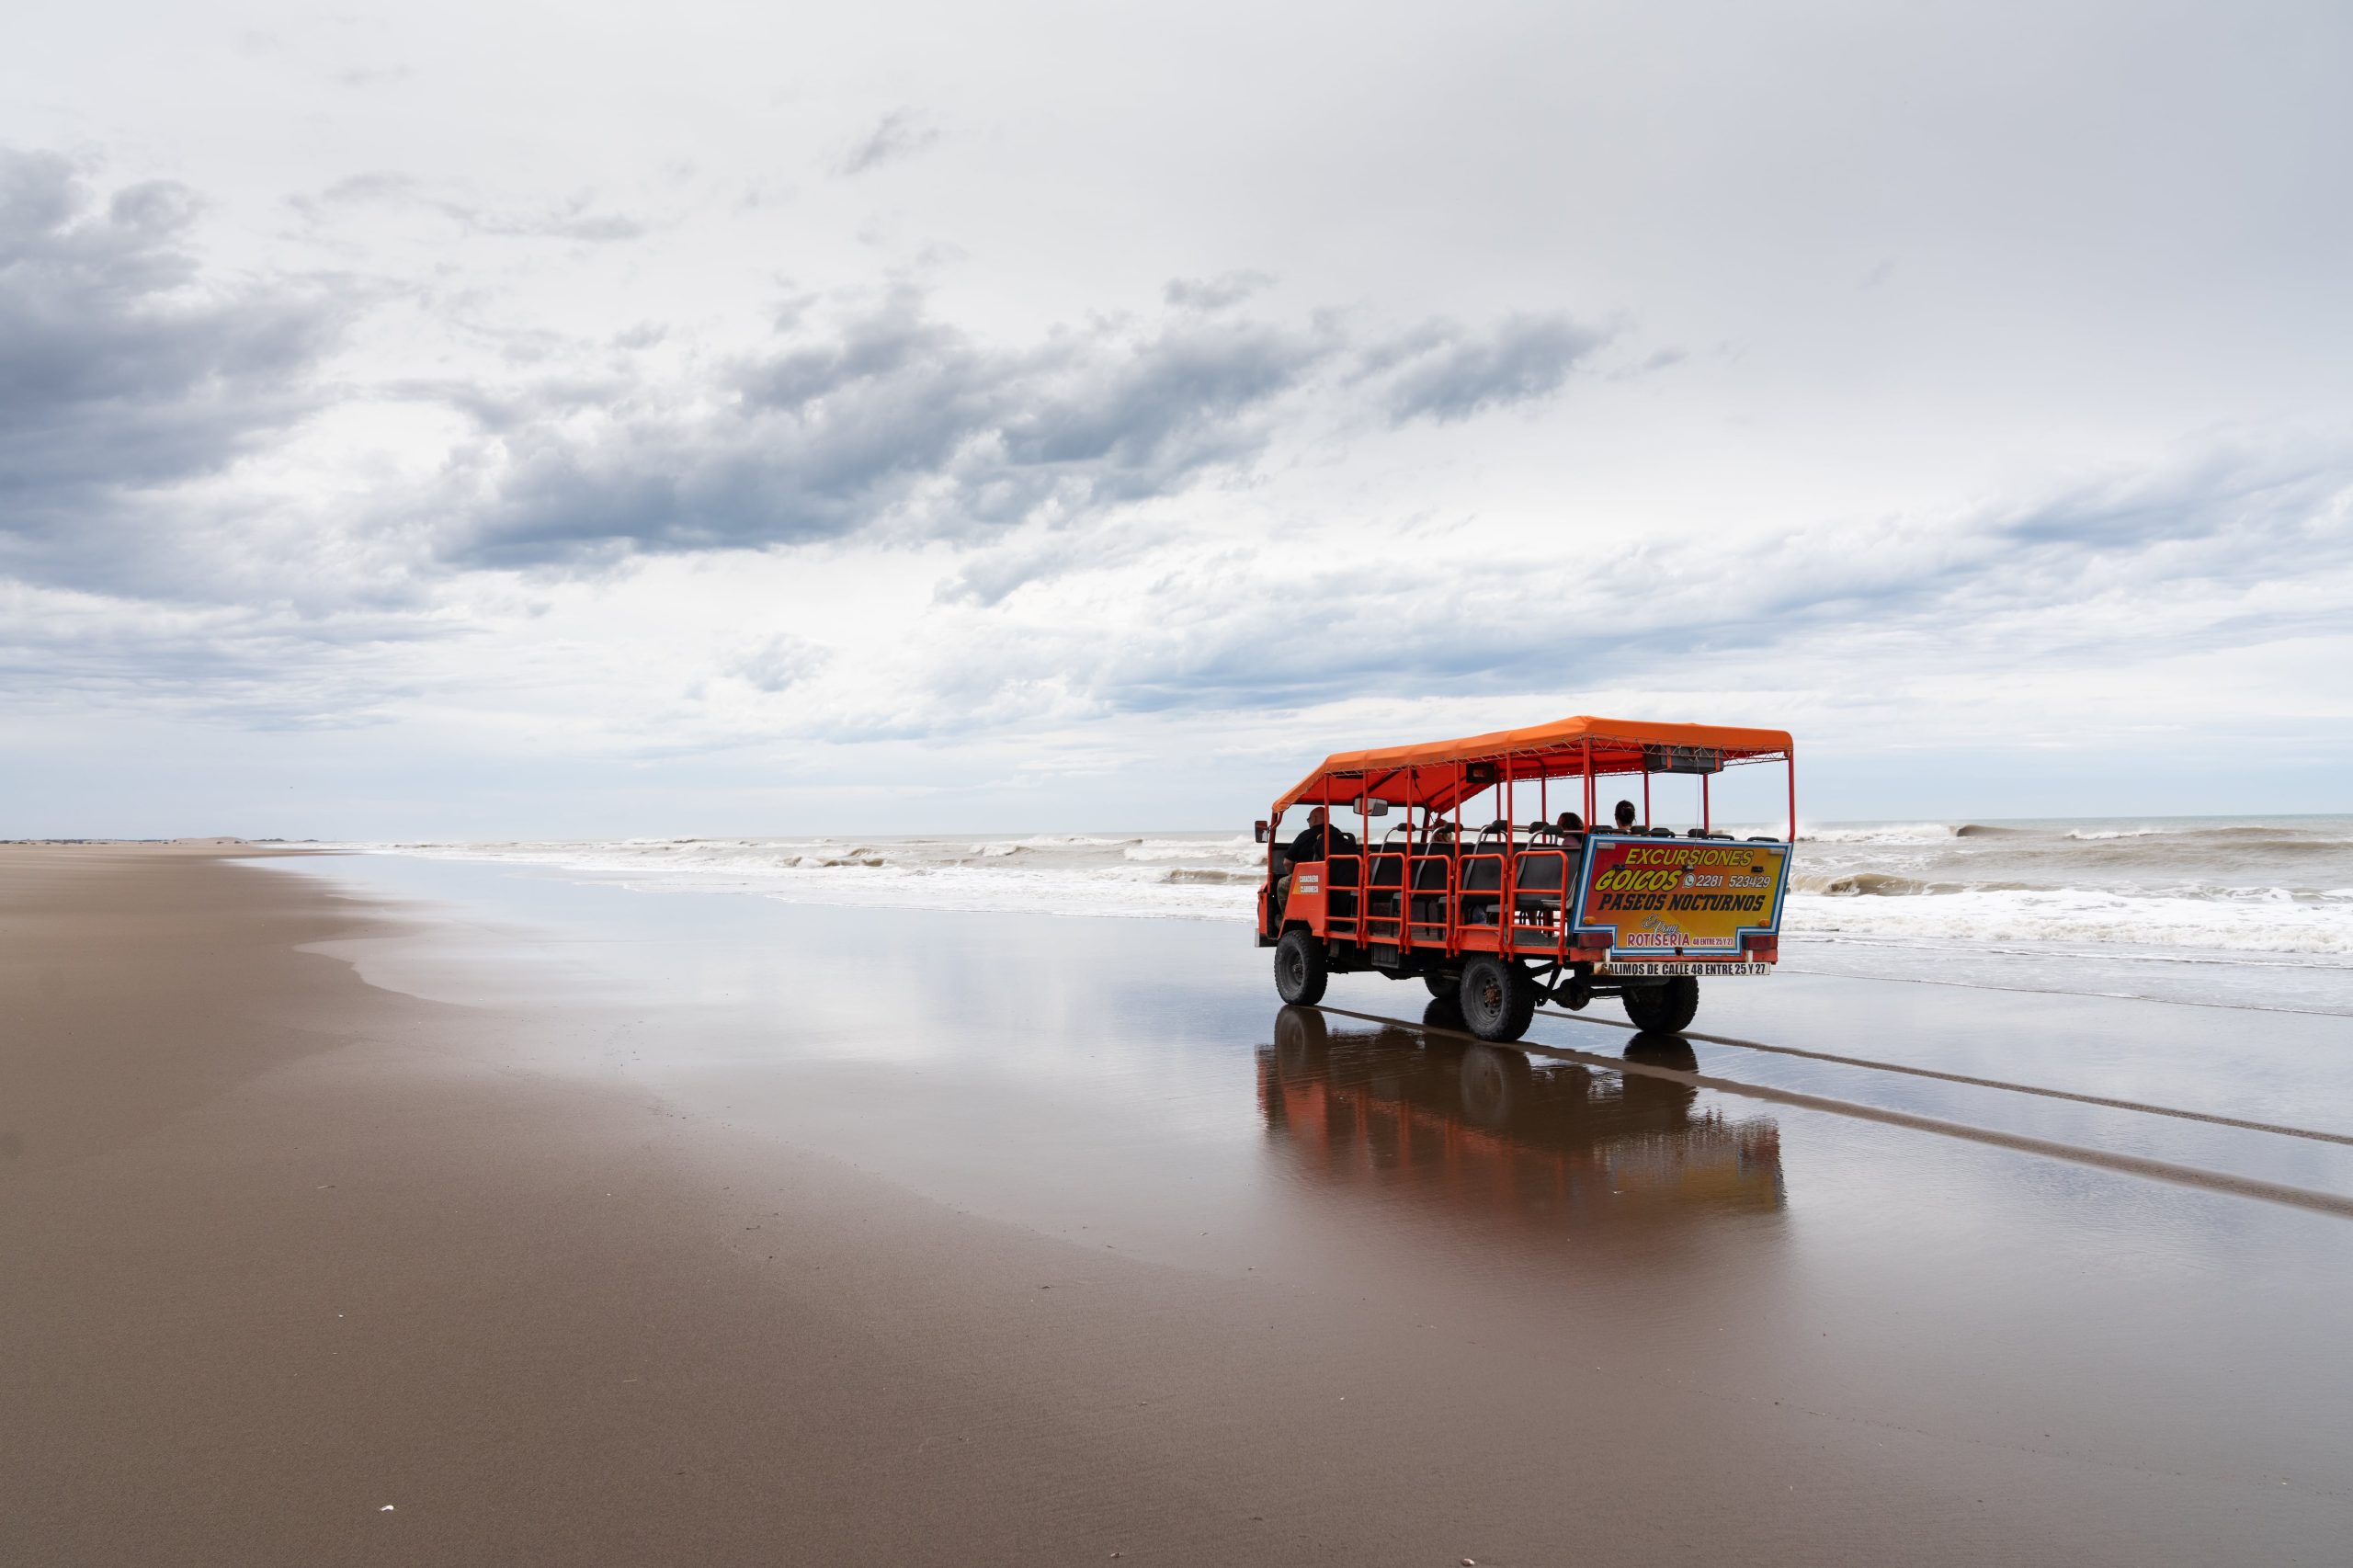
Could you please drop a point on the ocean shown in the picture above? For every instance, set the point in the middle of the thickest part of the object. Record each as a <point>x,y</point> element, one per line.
<point>2247,912</point>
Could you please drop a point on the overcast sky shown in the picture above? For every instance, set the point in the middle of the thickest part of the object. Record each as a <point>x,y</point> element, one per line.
<point>537,421</point>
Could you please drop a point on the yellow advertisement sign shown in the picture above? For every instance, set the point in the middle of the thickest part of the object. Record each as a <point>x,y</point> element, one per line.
<point>1669,897</point>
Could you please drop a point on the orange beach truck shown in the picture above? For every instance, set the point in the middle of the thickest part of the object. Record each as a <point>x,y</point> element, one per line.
<point>1500,914</point>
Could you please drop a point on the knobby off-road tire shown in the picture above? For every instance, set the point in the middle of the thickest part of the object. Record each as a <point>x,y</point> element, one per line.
<point>1499,999</point>
<point>1663,1009</point>
<point>1300,972</point>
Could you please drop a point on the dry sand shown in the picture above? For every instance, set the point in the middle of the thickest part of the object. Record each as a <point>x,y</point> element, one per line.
<point>283,1252</point>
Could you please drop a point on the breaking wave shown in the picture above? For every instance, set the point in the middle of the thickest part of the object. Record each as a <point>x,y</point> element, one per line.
<point>1861,884</point>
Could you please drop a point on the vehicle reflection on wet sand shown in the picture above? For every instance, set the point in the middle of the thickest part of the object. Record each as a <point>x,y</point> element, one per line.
<point>1479,1130</point>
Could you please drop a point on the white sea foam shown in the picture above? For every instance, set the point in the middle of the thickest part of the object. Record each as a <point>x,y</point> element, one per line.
<point>2259,913</point>
<point>2257,921</point>
<point>2213,885</point>
<point>1871,833</point>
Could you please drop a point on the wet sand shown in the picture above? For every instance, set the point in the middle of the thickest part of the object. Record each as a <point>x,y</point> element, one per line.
<point>612,1228</point>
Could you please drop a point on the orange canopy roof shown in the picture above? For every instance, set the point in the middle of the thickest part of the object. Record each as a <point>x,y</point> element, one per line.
<point>1439,773</point>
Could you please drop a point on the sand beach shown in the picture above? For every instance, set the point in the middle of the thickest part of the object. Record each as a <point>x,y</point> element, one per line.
<point>367,1209</point>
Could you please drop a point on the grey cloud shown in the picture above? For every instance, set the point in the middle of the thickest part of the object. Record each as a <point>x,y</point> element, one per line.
<point>889,421</point>
<point>2228,495</point>
<point>574,218</point>
<point>501,410</point>
<point>262,667</point>
<point>993,573</point>
<point>124,372</point>
<point>374,75</point>
<point>781,663</point>
<point>378,187</point>
<point>1449,374</point>
<point>893,421</point>
<point>1217,293</point>
<point>2006,583</point>
<point>898,134</point>
<point>132,377</point>
<point>2222,524</point>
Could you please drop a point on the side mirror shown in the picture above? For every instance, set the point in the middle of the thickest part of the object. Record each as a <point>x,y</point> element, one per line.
<point>1262,832</point>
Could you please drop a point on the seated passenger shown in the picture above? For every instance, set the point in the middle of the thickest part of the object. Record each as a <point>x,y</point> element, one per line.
<point>1568,825</point>
<point>1625,817</point>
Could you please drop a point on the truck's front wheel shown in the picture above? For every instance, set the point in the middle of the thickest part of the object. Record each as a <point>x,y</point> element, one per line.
<point>1300,971</point>
<point>1666,1008</point>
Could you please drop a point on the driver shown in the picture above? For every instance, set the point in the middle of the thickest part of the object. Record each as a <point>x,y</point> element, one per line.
<point>1317,841</point>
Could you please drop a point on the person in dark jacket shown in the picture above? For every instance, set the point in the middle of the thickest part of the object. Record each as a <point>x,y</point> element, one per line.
<point>1318,841</point>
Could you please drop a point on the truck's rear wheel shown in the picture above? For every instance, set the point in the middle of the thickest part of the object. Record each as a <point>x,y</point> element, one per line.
<point>1300,971</point>
<point>1664,1008</point>
<point>1499,999</point>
